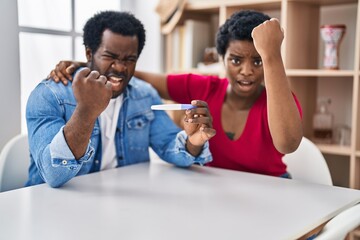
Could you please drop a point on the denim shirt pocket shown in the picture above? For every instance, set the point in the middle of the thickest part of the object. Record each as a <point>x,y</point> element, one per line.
<point>139,130</point>
<point>141,120</point>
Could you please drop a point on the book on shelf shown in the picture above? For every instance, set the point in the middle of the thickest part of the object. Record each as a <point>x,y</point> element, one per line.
<point>188,44</point>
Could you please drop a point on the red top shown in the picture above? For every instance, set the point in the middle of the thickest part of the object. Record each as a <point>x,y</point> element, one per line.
<point>254,151</point>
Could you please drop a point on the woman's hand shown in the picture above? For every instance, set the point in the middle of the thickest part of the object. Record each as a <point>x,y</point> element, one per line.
<point>63,71</point>
<point>268,37</point>
<point>198,126</point>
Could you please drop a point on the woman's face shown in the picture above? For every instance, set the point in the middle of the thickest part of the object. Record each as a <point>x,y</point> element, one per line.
<point>243,67</point>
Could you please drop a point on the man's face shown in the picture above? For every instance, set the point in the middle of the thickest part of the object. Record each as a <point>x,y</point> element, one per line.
<point>116,59</point>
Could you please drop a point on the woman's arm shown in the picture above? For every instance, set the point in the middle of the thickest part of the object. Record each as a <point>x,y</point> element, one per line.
<point>283,115</point>
<point>64,69</point>
<point>158,81</point>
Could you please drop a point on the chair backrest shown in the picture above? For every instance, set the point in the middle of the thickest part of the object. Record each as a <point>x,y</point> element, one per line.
<point>14,163</point>
<point>339,226</point>
<point>308,164</point>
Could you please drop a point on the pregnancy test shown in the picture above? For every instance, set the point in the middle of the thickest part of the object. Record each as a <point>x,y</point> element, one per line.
<point>172,107</point>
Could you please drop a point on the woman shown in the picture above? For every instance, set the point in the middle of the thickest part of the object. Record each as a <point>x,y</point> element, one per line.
<point>255,114</point>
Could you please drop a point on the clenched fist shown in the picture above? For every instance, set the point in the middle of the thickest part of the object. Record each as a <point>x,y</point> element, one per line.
<point>92,92</point>
<point>268,37</point>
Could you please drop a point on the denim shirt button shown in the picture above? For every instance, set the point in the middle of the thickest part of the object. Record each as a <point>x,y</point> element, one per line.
<point>97,161</point>
<point>64,162</point>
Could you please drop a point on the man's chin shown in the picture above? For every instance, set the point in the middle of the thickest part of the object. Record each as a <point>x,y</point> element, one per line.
<point>115,94</point>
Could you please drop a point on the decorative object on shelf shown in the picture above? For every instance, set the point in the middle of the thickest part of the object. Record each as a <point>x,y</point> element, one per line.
<point>323,123</point>
<point>332,36</point>
<point>170,12</point>
<point>210,64</point>
<point>210,56</point>
<point>342,134</point>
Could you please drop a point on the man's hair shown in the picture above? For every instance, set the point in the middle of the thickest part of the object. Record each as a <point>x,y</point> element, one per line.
<point>123,23</point>
<point>238,27</point>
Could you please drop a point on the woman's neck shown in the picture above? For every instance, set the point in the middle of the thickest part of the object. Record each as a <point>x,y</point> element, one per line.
<point>239,103</point>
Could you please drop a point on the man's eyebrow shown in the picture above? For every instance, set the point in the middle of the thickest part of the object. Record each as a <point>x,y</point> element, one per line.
<point>111,53</point>
<point>117,56</point>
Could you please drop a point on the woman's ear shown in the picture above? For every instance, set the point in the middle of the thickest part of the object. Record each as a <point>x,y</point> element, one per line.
<point>222,59</point>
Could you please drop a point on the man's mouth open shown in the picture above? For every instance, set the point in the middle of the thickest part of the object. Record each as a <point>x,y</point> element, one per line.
<point>115,81</point>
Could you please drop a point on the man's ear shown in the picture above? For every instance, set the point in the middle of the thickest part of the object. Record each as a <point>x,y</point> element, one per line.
<point>88,53</point>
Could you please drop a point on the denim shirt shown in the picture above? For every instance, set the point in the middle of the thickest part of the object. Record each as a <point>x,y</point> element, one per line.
<point>50,107</point>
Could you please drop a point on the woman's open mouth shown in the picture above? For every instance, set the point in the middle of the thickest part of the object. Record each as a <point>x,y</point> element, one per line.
<point>245,83</point>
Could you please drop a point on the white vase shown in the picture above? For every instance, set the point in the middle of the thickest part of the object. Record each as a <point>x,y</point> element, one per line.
<point>332,36</point>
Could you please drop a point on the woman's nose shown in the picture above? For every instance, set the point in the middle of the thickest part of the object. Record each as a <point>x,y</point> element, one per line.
<point>246,69</point>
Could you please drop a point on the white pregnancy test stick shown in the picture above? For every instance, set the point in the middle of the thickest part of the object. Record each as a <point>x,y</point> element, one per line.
<point>172,107</point>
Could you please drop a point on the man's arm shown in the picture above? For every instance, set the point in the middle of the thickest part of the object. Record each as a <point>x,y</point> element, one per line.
<point>45,117</point>
<point>93,93</point>
<point>60,147</point>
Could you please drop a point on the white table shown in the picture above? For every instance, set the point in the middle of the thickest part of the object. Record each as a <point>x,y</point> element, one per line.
<point>160,201</point>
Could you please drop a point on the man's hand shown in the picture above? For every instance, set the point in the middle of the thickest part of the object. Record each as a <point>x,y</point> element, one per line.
<point>63,71</point>
<point>92,92</point>
<point>198,127</point>
<point>268,37</point>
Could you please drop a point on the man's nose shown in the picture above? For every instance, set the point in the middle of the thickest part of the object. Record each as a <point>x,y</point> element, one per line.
<point>119,65</point>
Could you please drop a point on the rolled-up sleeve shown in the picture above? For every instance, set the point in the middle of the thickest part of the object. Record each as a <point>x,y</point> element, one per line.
<point>205,155</point>
<point>61,155</point>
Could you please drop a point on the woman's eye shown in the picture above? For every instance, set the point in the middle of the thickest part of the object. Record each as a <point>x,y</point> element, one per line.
<point>258,62</point>
<point>235,61</point>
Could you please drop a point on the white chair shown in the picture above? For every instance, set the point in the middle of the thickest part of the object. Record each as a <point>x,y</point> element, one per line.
<point>339,226</point>
<point>14,163</point>
<point>308,164</point>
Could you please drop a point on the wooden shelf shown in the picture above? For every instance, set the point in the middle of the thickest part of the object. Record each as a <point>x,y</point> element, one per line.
<point>216,4</point>
<point>319,73</point>
<point>302,51</point>
<point>334,149</point>
<point>325,2</point>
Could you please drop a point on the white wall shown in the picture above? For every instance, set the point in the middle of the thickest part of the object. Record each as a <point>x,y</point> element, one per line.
<point>151,58</point>
<point>10,72</point>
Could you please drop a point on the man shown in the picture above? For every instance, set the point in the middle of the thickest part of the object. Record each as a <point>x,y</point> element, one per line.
<point>102,119</point>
